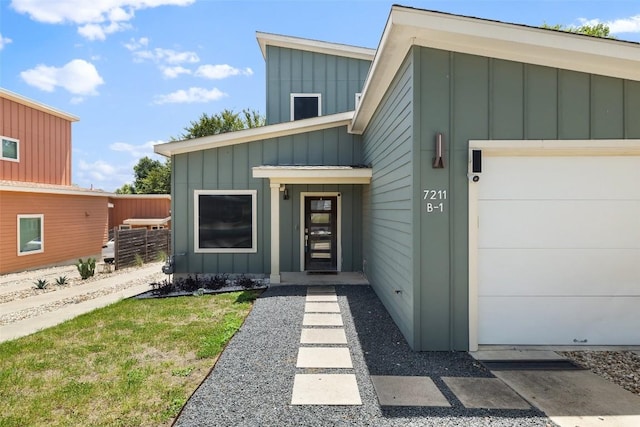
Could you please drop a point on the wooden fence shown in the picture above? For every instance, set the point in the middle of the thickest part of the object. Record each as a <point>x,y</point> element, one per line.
<point>148,245</point>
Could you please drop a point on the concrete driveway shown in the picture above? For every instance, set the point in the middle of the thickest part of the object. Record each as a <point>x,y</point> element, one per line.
<point>570,398</point>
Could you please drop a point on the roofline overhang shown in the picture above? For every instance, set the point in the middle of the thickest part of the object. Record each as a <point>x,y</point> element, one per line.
<point>254,134</point>
<point>7,94</point>
<point>317,46</point>
<point>407,27</point>
<point>65,190</point>
<point>313,174</point>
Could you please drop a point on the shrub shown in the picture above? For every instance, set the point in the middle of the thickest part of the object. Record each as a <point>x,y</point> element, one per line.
<point>217,282</point>
<point>162,256</point>
<point>162,288</point>
<point>62,280</point>
<point>86,268</point>
<point>245,282</point>
<point>41,284</point>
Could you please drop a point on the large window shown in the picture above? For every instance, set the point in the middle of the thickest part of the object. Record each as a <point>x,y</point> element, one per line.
<point>225,221</point>
<point>30,234</point>
<point>305,105</point>
<point>9,149</point>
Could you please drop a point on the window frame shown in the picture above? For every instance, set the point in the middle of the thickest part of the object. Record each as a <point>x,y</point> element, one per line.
<point>295,95</point>
<point>254,221</point>
<point>9,159</point>
<point>31,216</point>
<point>358,97</point>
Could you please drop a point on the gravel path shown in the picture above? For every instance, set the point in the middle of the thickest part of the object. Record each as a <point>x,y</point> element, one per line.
<point>252,381</point>
<point>620,367</point>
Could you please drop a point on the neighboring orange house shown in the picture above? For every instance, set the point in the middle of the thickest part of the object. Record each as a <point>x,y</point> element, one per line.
<point>44,219</point>
<point>140,210</point>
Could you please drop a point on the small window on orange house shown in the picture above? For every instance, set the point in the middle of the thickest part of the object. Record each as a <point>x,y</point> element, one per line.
<point>10,149</point>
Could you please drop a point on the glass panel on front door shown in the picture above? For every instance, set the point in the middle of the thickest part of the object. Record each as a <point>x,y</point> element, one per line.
<point>320,235</point>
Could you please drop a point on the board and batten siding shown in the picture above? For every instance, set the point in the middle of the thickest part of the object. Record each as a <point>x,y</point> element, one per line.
<point>44,147</point>
<point>289,71</point>
<point>469,97</point>
<point>75,226</point>
<point>388,230</point>
<point>229,167</point>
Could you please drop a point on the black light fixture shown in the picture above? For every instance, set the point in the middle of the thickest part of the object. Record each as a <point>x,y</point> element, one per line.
<point>285,193</point>
<point>438,161</point>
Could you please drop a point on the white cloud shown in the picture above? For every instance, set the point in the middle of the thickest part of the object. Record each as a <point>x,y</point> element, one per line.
<point>103,175</point>
<point>95,19</point>
<point>78,76</point>
<point>137,44</point>
<point>222,71</point>
<point>617,26</point>
<point>166,56</point>
<point>173,72</point>
<point>100,32</point>
<point>191,95</point>
<point>136,151</point>
<point>4,41</point>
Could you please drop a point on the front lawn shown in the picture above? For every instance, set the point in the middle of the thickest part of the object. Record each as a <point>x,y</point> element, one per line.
<point>133,363</point>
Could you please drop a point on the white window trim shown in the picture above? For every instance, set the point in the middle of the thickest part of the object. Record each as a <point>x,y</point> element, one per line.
<point>338,196</point>
<point>9,159</point>
<point>41,218</point>
<point>358,97</point>
<point>305,95</point>
<point>254,221</point>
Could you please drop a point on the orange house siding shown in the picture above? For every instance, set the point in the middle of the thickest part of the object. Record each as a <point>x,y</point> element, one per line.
<point>138,207</point>
<point>44,148</point>
<point>75,226</point>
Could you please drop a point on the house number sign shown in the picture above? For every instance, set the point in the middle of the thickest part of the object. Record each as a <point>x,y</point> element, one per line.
<point>434,200</point>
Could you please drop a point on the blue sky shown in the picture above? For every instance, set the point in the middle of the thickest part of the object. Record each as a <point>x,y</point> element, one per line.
<point>136,72</point>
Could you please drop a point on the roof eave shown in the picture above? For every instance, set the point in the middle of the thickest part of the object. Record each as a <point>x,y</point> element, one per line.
<point>169,149</point>
<point>408,27</point>
<point>298,43</point>
<point>4,93</point>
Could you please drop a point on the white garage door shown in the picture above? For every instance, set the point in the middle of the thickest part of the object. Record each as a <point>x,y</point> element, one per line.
<point>559,250</point>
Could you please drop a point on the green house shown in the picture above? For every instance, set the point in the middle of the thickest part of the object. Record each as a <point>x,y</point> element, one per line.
<point>484,176</point>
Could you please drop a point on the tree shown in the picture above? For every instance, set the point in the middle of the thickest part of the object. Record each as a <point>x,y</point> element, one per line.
<point>151,177</point>
<point>226,121</point>
<point>597,30</point>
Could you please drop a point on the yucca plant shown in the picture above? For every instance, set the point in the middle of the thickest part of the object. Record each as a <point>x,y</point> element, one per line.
<point>62,280</point>
<point>41,284</point>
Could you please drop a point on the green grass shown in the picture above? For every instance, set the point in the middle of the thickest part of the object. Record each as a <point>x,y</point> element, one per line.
<point>134,363</point>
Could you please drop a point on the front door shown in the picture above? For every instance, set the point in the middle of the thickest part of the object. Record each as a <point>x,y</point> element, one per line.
<point>320,233</point>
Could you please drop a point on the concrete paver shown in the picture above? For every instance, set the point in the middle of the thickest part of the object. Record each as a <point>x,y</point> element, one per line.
<point>322,297</point>
<point>576,398</point>
<point>322,319</point>
<point>325,389</point>
<point>515,354</point>
<point>488,393</point>
<point>323,336</point>
<point>324,357</point>
<point>408,391</point>
<point>322,307</point>
<point>324,289</point>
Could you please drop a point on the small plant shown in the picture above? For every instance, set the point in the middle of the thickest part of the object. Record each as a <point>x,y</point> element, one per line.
<point>162,256</point>
<point>162,288</point>
<point>182,372</point>
<point>245,282</point>
<point>217,282</point>
<point>41,284</point>
<point>139,261</point>
<point>86,268</point>
<point>190,284</point>
<point>62,280</point>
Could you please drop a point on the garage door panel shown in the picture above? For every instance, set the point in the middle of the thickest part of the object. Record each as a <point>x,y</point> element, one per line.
<point>514,178</point>
<point>559,224</point>
<point>559,321</point>
<point>559,272</point>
